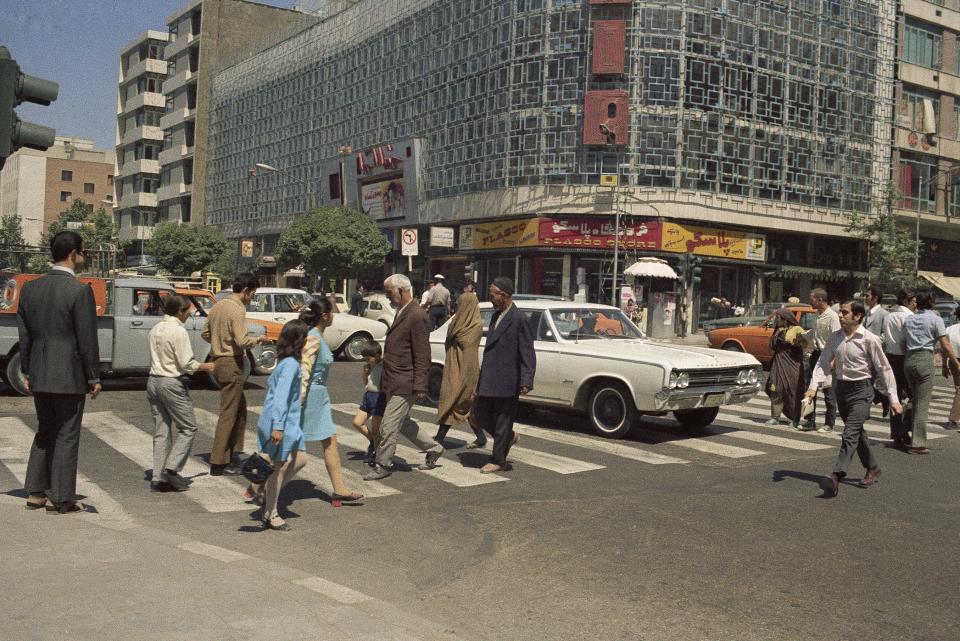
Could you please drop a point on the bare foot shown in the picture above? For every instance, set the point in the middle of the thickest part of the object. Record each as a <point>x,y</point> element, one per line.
<point>489,468</point>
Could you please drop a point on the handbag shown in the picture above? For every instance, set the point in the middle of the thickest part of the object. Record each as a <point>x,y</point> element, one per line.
<point>258,468</point>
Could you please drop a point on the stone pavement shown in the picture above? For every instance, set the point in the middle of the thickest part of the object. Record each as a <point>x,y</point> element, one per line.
<point>67,578</point>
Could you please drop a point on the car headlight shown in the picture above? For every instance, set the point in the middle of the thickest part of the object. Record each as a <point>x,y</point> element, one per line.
<point>742,377</point>
<point>753,377</point>
<point>683,380</point>
<point>672,382</point>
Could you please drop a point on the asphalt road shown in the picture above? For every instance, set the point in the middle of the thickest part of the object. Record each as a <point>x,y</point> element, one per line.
<point>666,536</point>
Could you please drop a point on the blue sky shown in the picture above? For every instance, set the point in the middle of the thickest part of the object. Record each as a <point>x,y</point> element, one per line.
<point>76,43</point>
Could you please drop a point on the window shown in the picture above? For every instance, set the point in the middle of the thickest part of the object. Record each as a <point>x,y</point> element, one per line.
<point>185,210</point>
<point>953,194</point>
<point>335,186</point>
<point>911,108</point>
<point>147,303</point>
<point>88,188</point>
<point>195,23</point>
<point>913,170</point>
<point>922,44</point>
<point>65,196</point>
<point>110,180</point>
<point>260,303</point>
<point>66,175</point>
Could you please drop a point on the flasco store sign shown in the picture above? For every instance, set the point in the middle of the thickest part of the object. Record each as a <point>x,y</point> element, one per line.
<point>506,234</point>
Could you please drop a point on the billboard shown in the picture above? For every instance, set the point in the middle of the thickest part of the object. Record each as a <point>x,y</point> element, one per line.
<point>505,235</point>
<point>598,233</point>
<point>714,242</point>
<point>384,199</point>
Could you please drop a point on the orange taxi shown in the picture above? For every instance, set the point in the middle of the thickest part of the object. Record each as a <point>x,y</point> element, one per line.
<point>755,339</point>
<point>203,300</point>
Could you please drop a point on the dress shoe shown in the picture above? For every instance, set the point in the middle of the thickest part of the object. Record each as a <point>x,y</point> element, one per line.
<point>161,486</point>
<point>66,507</point>
<point>36,502</point>
<point>225,470</point>
<point>952,425</point>
<point>871,477</point>
<point>918,450</point>
<point>831,485</point>
<point>176,481</point>
<point>431,460</point>
<point>378,472</point>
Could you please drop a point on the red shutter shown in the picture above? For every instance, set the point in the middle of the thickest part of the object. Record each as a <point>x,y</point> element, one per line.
<point>606,117</point>
<point>609,46</point>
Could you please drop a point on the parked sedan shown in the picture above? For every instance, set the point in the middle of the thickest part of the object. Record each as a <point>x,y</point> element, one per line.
<point>346,336</point>
<point>593,359</point>
<point>378,308</point>
<point>755,339</point>
<point>755,315</point>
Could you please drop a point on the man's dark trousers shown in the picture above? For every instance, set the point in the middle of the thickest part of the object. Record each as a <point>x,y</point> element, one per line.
<point>898,426</point>
<point>853,400</point>
<point>495,415</point>
<point>438,316</point>
<point>52,470</point>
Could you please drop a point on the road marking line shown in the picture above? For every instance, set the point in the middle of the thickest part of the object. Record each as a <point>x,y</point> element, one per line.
<point>778,441</point>
<point>335,591</point>
<point>448,471</point>
<point>212,493</point>
<point>759,402</point>
<point>16,439</point>
<point>701,444</point>
<point>316,470</point>
<point>875,425</point>
<point>597,444</point>
<point>212,551</point>
<point>836,434</point>
<point>551,462</point>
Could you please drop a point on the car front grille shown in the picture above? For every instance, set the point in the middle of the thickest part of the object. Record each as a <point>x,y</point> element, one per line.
<point>708,377</point>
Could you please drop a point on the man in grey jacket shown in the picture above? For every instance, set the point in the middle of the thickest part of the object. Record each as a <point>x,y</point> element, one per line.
<point>60,357</point>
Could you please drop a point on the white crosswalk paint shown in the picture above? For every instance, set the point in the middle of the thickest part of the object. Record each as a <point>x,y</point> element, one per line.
<point>15,441</point>
<point>871,426</point>
<point>316,470</point>
<point>448,471</point>
<point>709,446</point>
<point>777,441</point>
<point>727,417</point>
<point>212,493</point>
<point>758,403</point>
<point>621,450</point>
<point>543,460</point>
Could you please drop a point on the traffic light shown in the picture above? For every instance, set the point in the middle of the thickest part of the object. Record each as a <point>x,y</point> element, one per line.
<point>17,88</point>
<point>683,269</point>
<point>468,271</point>
<point>694,269</point>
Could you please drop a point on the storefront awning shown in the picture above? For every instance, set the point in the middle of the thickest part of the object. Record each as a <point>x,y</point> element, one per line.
<point>651,267</point>
<point>949,284</point>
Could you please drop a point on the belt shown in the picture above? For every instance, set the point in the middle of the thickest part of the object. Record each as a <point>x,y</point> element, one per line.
<point>861,380</point>
<point>318,381</point>
<point>444,306</point>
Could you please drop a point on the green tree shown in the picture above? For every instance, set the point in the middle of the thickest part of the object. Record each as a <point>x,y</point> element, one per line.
<point>226,265</point>
<point>333,241</point>
<point>97,228</point>
<point>184,249</point>
<point>893,246</point>
<point>11,243</point>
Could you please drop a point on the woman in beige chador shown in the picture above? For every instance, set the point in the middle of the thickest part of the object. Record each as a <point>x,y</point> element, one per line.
<point>461,369</point>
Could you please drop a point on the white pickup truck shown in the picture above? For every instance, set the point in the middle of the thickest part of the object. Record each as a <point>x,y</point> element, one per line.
<point>127,309</point>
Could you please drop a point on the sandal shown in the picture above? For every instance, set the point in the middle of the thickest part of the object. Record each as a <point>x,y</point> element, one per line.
<point>36,505</point>
<point>338,499</point>
<point>283,526</point>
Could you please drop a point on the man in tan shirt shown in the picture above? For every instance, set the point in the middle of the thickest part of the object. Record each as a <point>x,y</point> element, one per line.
<point>226,331</point>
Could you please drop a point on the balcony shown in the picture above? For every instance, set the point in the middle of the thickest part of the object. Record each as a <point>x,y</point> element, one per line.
<point>138,199</point>
<point>173,83</point>
<point>137,232</point>
<point>150,65</point>
<point>172,191</point>
<point>932,13</point>
<point>142,166</point>
<point>174,118</point>
<point>174,154</point>
<point>179,45</point>
<point>146,99</point>
<point>141,133</point>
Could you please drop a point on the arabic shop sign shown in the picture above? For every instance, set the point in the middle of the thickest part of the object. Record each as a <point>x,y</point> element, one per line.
<point>713,242</point>
<point>598,233</point>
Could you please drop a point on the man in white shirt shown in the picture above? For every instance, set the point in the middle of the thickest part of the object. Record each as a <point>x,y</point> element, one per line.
<point>953,334</point>
<point>828,322</point>
<point>873,322</point>
<point>892,337</point>
<point>171,357</point>
<point>855,357</point>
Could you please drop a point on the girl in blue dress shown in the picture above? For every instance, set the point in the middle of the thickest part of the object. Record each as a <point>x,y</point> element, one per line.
<point>279,431</point>
<point>317,415</point>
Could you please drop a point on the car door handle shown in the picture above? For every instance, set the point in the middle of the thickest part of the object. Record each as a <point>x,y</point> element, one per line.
<point>136,323</point>
<point>279,319</point>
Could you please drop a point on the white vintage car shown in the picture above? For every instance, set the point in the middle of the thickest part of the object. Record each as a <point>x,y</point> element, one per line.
<point>346,336</point>
<point>593,359</point>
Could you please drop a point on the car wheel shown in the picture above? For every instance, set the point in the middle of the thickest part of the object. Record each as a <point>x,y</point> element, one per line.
<point>732,347</point>
<point>696,419</point>
<point>211,380</point>
<point>14,377</point>
<point>434,382</point>
<point>611,409</point>
<point>353,348</point>
<point>263,370</point>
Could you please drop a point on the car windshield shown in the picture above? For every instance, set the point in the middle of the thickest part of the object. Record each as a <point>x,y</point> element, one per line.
<point>286,303</point>
<point>575,323</point>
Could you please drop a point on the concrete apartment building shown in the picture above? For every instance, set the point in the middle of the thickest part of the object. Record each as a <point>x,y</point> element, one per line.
<point>140,108</point>
<point>174,69</point>
<point>745,132</point>
<point>37,185</point>
<point>926,153</point>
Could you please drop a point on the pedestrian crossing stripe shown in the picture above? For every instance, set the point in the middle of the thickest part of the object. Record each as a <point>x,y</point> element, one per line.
<point>933,414</point>
<point>315,470</point>
<point>450,471</point>
<point>15,442</point>
<point>871,430</point>
<point>543,460</point>
<point>934,431</point>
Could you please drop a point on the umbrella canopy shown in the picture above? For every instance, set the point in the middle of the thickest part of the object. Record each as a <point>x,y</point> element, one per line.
<point>652,267</point>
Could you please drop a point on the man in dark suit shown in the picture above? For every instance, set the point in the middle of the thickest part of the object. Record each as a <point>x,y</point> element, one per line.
<point>57,321</point>
<point>509,364</point>
<point>406,362</point>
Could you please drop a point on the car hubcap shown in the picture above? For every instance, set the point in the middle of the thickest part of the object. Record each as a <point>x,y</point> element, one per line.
<point>355,348</point>
<point>609,410</point>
